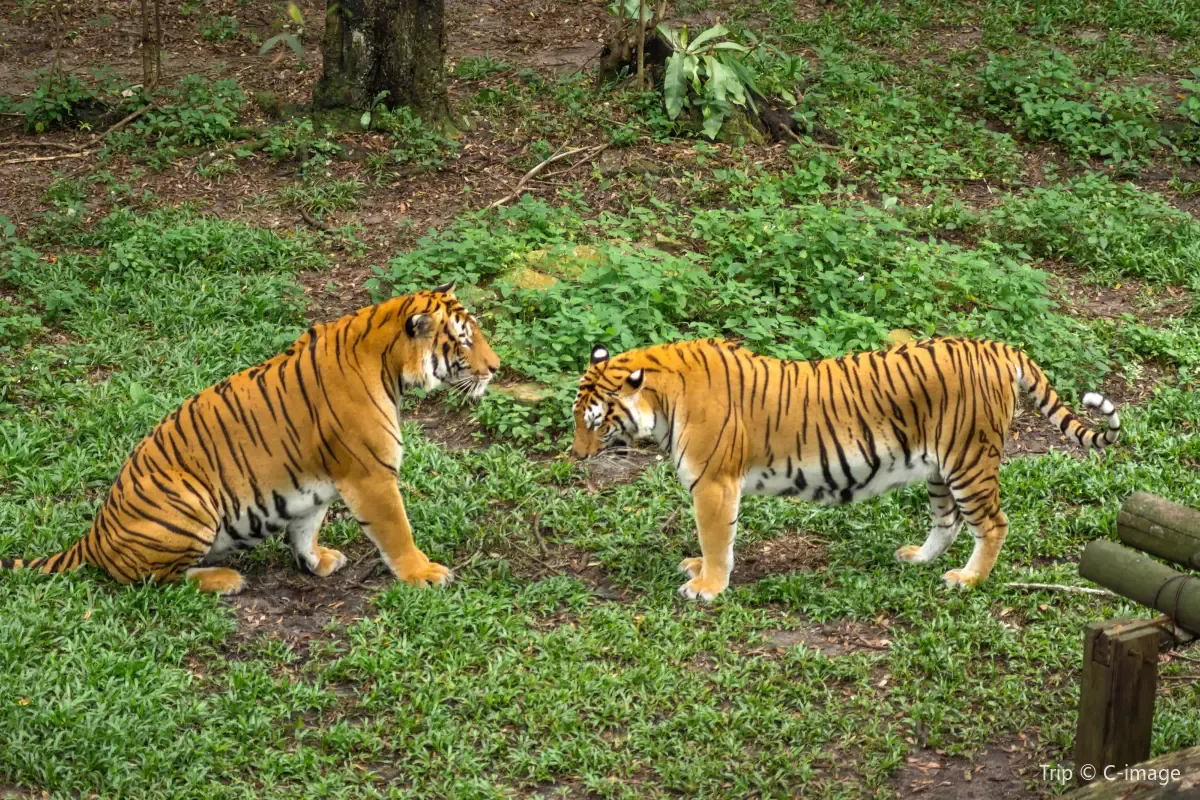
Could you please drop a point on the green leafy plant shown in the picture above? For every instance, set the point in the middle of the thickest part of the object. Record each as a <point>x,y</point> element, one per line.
<point>1044,97</point>
<point>55,100</point>
<point>703,74</point>
<point>1190,107</point>
<point>220,29</point>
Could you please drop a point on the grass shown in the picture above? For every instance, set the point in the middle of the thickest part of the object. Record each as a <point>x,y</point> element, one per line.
<point>529,677</point>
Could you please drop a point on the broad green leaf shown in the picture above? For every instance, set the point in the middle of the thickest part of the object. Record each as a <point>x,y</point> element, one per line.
<point>670,37</point>
<point>711,33</point>
<point>295,13</point>
<point>731,46</point>
<point>270,43</point>
<point>293,41</point>
<point>717,83</point>
<point>365,119</point>
<point>674,85</point>
<point>712,122</point>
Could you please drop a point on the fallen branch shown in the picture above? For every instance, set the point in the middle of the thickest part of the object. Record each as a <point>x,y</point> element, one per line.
<point>80,154</point>
<point>73,148</point>
<point>122,123</point>
<point>537,534</point>
<point>249,147</point>
<point>533,173</point>
<point>1057,587</point>
<point>313,221</point>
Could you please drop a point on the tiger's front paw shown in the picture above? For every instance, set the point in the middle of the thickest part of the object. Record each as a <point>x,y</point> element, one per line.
<point>423,573</point>
<point>961,578</point>
<point>691,566</point>
<point>700,589</point>
<point>908,553</point>
<point>329,561</point>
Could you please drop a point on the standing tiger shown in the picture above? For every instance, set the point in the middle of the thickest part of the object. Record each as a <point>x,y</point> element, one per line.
<point>269,449</point>
<point>833,431</point>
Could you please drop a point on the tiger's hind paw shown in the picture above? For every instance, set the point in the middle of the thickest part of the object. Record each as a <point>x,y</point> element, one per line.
<point>691,566</point>
<point>217,580</point>
<point>961,578</point>
<point>329,561</point>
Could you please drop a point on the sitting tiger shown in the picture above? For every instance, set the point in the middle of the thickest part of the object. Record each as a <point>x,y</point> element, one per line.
<point>833,431</point>
<point>269,449</point>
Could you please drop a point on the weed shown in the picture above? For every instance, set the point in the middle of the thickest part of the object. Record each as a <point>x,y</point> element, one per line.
<point>55,101</point>
<point>220,29</point>
<point>1113,229</point>
<point>474,69</point>
<point>1044,97</point>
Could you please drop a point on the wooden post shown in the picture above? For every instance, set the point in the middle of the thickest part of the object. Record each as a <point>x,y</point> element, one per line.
<point>1143,580</point>
<point>1116,695</point>
<point>1162,528</point>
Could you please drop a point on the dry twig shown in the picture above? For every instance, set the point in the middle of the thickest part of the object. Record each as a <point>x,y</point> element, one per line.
<point>130,118</point>
<point>312,221</point>
<point>73,148</point>
<point>80,154</point>
<point>1057,587</point>
<point>533,173</point>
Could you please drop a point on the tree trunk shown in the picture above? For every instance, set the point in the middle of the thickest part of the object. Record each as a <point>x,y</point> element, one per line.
<point>372,46</point>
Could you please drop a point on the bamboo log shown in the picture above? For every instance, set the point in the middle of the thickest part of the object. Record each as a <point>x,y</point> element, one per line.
<point>1173,776</point>
<point>1143,580</point>
<point>1162,528</point>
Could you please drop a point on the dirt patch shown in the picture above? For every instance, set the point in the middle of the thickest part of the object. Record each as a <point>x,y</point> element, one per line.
<point>999,772</point>
<point>1152,305</point>
<point>607,470</point>
<point>291,605</point>
<point>548,559</point>
<point>546,35</point>
<point>793,552</point>
<point>831,639</point>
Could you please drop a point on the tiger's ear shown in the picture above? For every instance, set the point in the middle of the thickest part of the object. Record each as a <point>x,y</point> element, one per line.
<point>635,379</point>
<point>599,354</point>
<point>418,326</point>
<point>446,288</point>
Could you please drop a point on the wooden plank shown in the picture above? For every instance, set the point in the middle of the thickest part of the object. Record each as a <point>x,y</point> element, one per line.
<point>1116,695</point>
<point>1144,580</point>
<point>1160,527</point>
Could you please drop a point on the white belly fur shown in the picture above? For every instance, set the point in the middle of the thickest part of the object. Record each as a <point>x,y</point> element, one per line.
<point>760,480</point>
<point>253,524</point>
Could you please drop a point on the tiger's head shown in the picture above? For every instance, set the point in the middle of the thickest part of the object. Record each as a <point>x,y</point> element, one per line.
<point>446,345</point>
<point>611,409</point>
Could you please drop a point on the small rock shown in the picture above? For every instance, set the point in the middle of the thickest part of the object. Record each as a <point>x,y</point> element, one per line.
<point>529,394</point>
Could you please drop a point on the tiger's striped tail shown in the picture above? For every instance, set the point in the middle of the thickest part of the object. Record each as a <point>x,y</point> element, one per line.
<point>1037,386</point>
<point>67,560</point>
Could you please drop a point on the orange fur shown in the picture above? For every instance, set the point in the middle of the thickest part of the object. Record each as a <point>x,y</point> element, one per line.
<point>833,431</point>
<point>267,451</point>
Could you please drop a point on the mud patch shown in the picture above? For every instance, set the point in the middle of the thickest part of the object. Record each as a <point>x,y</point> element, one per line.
<point>832,639</point>
<point>545,560</point>
<point>611,470</point>
<point>999,772</point>
<point>793,552</point>
<point>286,604</point>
